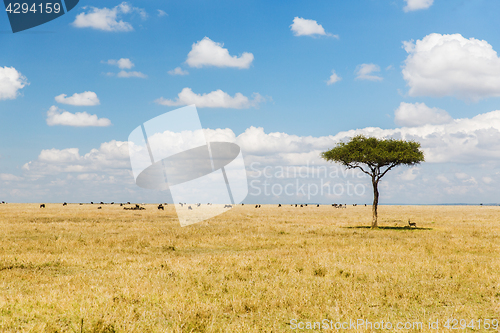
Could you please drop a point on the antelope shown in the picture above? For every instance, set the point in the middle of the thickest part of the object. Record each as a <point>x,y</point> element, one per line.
<point>412,224</point>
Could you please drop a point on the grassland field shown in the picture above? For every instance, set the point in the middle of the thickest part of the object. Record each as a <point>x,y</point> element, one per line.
<point>80,269</point>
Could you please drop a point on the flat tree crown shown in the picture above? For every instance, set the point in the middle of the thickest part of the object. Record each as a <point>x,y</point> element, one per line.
<point>375,152</point>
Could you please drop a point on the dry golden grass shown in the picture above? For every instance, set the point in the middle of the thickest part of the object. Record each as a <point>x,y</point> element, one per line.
<point>248,270</point>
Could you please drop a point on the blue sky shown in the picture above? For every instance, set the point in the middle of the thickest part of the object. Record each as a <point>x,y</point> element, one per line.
<point>289,72</point>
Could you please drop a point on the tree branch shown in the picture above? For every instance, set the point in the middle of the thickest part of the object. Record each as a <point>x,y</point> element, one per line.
<point>389,168</point>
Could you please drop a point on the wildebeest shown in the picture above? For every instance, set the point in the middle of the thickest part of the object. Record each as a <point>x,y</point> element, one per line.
<point>121,205</point>
<point>228,206</point>
<point>301,205</point>
<point>256,206</point>
<point>65,204</point>
<point>91,202</point>
<point>102,203</point>
<point>160,206</point>
<point>42,206</point>
<point>279,205</point>
<point>317,206</point>
<point>128,202</point>
<point>189,207</point>
<point>112,202</point>
<point>295,205</point>
<point>99,207</point>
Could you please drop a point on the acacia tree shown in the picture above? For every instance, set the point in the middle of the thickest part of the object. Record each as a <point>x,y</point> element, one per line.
<point>375,157</point>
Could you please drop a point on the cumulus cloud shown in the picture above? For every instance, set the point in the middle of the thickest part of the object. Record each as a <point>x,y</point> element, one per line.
<point>11,81</point>
<point>125,74</point>
<point>178,71</point>
<point>304,27</point>
<point>214,99</point>
<point>418,114</point>
<point>209,53</point>
<point>8,177</point>
<point>161,13</point>
<point>87,98</point>
<point>412,5</point>
<point>122,63</point>
<point>451,65</point>
<point>56,116</point>
<point>333,78</point>
<point>463,158</point>
<point>107,19</point>
<point>365,72</point>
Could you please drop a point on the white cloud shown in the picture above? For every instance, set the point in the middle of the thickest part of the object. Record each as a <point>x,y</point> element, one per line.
<point>418,114</point>
<point>451,65</point>
<point>161,13</point>
<point>364,72</point>
<point>178,71</point>
<point>209,53</point>
<point>214,99</point>
<point>458,154</point>
<point>122,63</point>
<point>304,27</point>
<point>409,174</point>
<point>107,19</point>
<point>412,5</point>
<point>125,74</point>
<point>487,180</point>
<point>8,177</point>
<point>87,98</point>
<point>333,78</point>
<point>11,81</point>
<point>56,116</point>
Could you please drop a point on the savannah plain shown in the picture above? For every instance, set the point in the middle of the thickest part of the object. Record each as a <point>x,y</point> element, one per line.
<point>80,269</point>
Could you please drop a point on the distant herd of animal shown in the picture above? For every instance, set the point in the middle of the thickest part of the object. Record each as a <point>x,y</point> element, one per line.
<point>162,206</point>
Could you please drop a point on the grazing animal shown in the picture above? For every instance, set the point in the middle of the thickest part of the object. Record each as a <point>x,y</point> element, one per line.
<point>112,202</point>
<point>365,205</point>
<point>180,203</point>
<point>91,202</point>
<point>301,205</point>
<point>295,205</point>
<point>81,204</point>
<point>65,204</point>
<point>306,205</point>
<point>256,206</point>
<point>99,207</point>
<point>102,203</point>
<point>160,206</point>
<point>317,206</point>
<point>42,206</point>
<point>189,207</point>
<point>412,224</point>
<point>228,206</point>
<point>121,205</point>
<point>259,206</point>
<point>128,202</point>
<point>279,205</point>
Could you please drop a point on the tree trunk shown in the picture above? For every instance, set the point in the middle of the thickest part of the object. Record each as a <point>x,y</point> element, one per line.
<point>375,204</point>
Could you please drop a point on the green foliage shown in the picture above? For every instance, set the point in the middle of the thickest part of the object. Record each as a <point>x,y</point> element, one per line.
<point>375,154</point>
